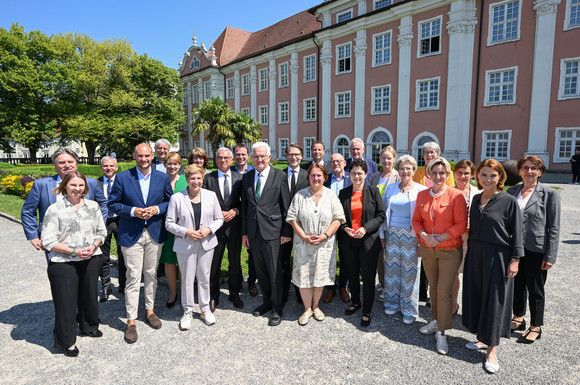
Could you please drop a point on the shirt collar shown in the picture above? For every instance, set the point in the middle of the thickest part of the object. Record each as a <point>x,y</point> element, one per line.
<point>141,176</point>
<point>221,173</point>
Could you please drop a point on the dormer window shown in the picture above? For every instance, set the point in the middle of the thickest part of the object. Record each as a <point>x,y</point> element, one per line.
<point>343,16</point>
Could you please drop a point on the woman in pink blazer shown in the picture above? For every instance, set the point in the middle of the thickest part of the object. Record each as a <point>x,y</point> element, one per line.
<point>194,215</point>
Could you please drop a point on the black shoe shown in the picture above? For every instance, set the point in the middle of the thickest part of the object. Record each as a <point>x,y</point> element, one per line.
<point>275,319</point>
<point>521,325</point>
<point>252,289</point>
<point>95,333</point>
<point>71,353</point>
<point>365,322</point>
<point>428,302</point>
<point>261,310</point>
<point>524,337</point>
<point>121,290</point>
<point>352,309</point>
<point>213,304</point>
<point>170,304</point>
<point>236,300</point>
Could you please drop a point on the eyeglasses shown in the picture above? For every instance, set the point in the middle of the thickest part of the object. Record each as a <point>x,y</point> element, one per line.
<point>294,155</point>
<point>223,158</point>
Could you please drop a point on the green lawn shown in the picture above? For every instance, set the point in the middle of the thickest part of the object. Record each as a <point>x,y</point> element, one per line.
<point>11,205</point>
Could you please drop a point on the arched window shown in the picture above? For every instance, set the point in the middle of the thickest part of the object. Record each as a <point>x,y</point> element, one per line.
<point>417,149</point>
<point>377,140</point>
<point>342,146</point>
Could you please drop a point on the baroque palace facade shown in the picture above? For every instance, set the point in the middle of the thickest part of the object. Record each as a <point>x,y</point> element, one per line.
<point>483,78</point>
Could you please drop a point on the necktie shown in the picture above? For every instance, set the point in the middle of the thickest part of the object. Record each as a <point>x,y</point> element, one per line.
<point>259,187</point>
<point>109,187</point>
<point>226,193</point>
<point>293,183</point>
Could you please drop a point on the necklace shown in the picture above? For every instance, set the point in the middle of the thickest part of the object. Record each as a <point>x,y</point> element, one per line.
<point>192,197</point>
<point>316,194</point>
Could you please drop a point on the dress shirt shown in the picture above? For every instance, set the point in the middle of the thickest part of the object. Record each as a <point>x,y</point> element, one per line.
<point>144,182</point>
<point>221,181</point>
<point>336,184</point>
<point>265,174</point>
<point>58,196</point>
<point>296,172</point>
<point>248,168</point>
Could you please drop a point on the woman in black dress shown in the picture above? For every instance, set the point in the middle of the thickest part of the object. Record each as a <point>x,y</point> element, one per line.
<point>494,248</point>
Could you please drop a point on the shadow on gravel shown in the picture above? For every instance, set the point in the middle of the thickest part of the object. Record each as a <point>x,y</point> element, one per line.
<point>33,323</point>
<point>572,241</point>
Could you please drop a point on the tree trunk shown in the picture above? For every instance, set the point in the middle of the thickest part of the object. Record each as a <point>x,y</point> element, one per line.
<point>33,151</point>
<point>91,149</point>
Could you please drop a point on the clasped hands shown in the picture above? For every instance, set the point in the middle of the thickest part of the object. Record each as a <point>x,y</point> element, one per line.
<point>355,233</point>
<point>145,212</point>
<point>314,239</point>
<point>198,234</point>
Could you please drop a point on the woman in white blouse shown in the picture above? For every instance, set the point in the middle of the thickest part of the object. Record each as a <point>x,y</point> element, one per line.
<point>72,231</point>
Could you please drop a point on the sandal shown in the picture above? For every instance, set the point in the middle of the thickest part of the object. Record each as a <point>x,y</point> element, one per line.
<point>365,320</point>
<point>524,337</point>
<point>520,325</point>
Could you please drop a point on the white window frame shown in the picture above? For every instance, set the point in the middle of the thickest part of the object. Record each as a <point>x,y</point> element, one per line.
<point>311,109</point>
<point>308,142</point>
<point>566,159</point>
<point>185,96</point>
<point>387,34</point>
<point>567,25</point>
<point>375,6</point>
<point>490,41</point>
<point>245,110</point>
<point>418,94</point>
<point>206,90</point>
<point>484,142</point>
<point>344,13</point>
<point>263,79</point>
<point>195,94</point>
<point>373,99</point>
<point>340,149</point>
<point>369,150</point>
<point>282,146</point>
<point>486,102</point>
<point>283,113</point>
<point>337,104</point>
<point>263,115</point>
<point>563,76</point>
<point>307,69</point>
<point>245,84</point>
<point>230,88</point>
<point>420,40</point>
<point>283,79</point>
<point>349,58</point>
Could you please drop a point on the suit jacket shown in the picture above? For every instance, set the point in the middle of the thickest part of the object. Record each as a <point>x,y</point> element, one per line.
<point>373,216</point>
<point>306,166</point>
<point>126,194</point>
<point>210,182</point>
<point>371,166</point>
<point>301,181</point>
<point>541,222</point>
<point>269,214</point>
<point>180,218</point>
<point>347,181</point>
<point>41,196</point>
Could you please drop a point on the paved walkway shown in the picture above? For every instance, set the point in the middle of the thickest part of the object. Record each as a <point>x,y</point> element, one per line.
<point>241,349</point>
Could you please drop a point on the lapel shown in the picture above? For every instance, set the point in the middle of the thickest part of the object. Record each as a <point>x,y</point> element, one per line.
<point>136,186</point>
<point>366,200</point>
<point>100,183</point>
<point>536,195</point>
<point>187,203</point>
<point>49,187</point>
<point>215,187</point>
<point>269,181</point>
<point>251,175</point>
<point>347,211</point>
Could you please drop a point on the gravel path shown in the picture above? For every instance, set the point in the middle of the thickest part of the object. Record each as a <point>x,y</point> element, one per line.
<point>241,349</point>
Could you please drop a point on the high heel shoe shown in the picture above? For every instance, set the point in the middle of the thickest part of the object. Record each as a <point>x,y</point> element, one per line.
<point>524,337</point>
<point>521,324</point>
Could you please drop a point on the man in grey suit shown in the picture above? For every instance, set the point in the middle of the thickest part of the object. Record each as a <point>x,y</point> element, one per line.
<point>227,185</point>
<point>297,180</point>
<point>265,201</point>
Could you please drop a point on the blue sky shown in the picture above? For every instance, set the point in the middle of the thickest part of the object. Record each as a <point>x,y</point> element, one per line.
<point>161,29</point>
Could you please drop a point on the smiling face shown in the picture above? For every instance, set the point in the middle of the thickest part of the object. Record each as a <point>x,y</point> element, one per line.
<point>317,152</point>
<point>463,175</point>
<point>438,175</point>
<point>109,168</point>
<point>429,154</point>
<point>316,178</point>
<point>387,160</point>
<point>143,155</point>
<point>261,158</point>
<point>530,173</point>
<point>172,167</point>
<point>357,150</point>
<point>241,156</point>
<point>75,188</point>
<point>294,157</point>
<point>161,150</point>
<point>406,171</point>
<point>194,181</point>
<point>337,163</point>
<point>64,164</point>
<point>488,179</point>
<point>357,176</point>
<point>223,160</point>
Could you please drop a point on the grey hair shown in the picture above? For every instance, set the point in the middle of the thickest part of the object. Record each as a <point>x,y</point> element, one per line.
<point>64,150</point>
<point>406,159</point>
<point>105,158</point>
<point>357,140</point>
<point>162,141</point>
<point>264,145</point>
<point>433,146</point>
<point>222,149</point>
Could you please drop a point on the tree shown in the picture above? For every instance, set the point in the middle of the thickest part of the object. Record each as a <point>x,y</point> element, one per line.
<point>224,126</point>
<point>33,79</point>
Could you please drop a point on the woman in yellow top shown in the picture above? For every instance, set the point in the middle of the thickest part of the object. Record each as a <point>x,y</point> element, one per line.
<point>431,150</point>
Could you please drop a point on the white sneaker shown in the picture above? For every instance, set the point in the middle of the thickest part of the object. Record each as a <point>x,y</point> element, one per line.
<point>208,317</point>
<point>390,312</point>
<point>185,322</point>
<point>441,340</point>
<point>430,328</point>
<point>381,297</point>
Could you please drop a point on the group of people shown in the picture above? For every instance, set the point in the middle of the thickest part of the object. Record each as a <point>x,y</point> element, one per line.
<point>391,221</point>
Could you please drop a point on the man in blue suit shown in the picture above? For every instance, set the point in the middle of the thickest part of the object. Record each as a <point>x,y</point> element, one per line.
<point>140,197</point>
<point>357,151</point>
<point>40,197</point>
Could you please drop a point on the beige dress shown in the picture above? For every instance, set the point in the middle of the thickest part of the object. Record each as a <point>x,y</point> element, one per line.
<point>314,266</point>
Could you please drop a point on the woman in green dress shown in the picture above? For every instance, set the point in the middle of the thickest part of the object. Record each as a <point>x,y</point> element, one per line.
<point>168,256</point>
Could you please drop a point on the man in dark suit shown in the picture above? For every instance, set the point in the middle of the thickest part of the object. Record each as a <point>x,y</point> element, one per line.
<point>317,156</point>
<point>227,185</point>
<point>40,197</point>
<point>265,201</point>
<point>337,180</point>
<point>297,180</point>
<point>109,168</point>
<point>140,197</point>
<point>357,151</point>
